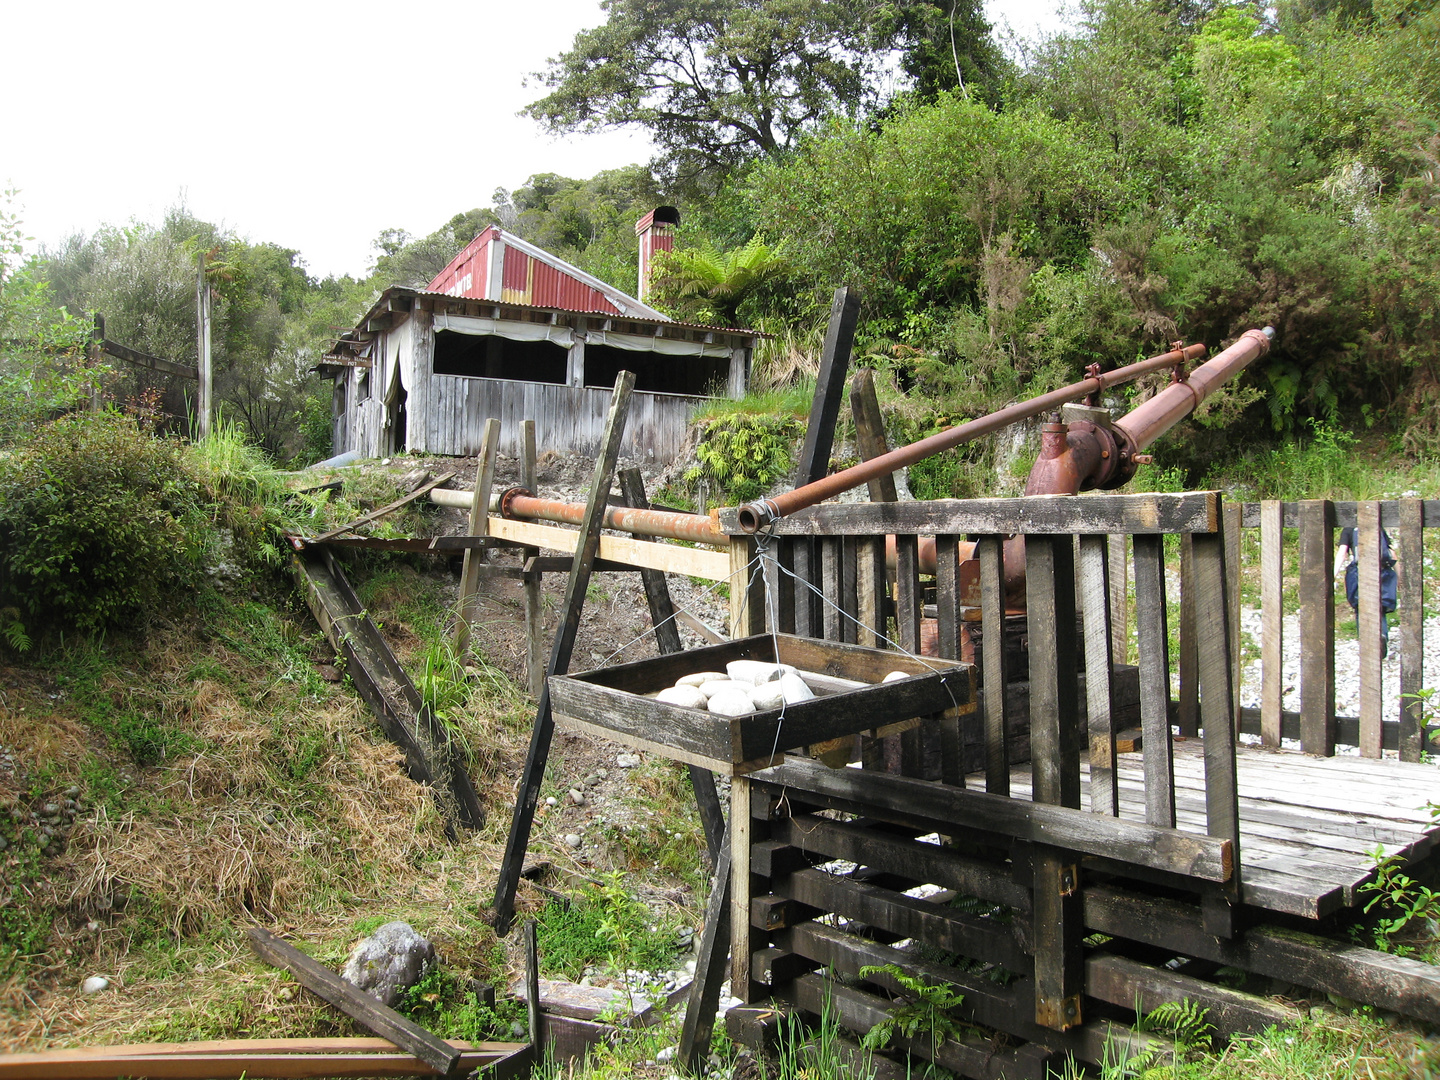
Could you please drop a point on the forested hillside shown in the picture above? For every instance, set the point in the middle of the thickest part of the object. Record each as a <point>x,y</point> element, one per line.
<point>1010,210</point>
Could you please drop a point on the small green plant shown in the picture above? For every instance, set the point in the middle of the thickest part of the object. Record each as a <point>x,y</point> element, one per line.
<point>1402,896</point>
<point>742,455</point>
<point>604,925</point>
<point>928,1013</point>
<point>441,1003</point>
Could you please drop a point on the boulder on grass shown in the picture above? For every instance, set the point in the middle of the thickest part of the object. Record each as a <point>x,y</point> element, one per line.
<point>389,961</point>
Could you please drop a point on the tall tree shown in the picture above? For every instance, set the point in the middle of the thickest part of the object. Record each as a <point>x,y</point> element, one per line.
<point>720,82</point>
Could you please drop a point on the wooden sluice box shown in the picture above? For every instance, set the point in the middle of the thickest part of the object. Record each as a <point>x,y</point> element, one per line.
<point>851,697</point>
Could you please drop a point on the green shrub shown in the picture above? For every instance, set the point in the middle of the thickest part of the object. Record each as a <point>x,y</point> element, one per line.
<point>98,521</point>
<point>745,454</point>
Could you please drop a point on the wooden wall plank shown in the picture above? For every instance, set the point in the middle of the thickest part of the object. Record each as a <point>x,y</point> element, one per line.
<point>1154,647</point>
<point>1054,719</point>
<point>995,668</point>
<point>1094,589</point>
<point>870,589</point>
<point>1230,515</point>
<point>1222,801</point>
<point>1410,592</point>
<point>1367,557</point>
<point>1119,598</point>
<point>1189,699</point>
<point>1272,620</point>
<point>1317,627</point>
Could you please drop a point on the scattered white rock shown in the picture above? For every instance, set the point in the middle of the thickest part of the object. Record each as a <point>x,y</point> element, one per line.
<point>577,796</point>
<point>551,800</point>
<point>731,703</point>
<point>627,761</point>
<point>795,688</point>
<point>687,696</point>
<point>768,695</point>
<point>665,1055</point>
<point>896,676</point>
<point>700,678</point>
<point>572,840</point>
<point>389,961</point>
<point>94,984</point>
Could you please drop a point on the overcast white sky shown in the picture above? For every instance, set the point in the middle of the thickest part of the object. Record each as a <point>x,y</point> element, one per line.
<point>309,124</point>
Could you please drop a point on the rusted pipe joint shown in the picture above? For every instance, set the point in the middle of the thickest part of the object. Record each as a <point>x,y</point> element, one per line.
<point>756,515</point>
<point>508,497</point>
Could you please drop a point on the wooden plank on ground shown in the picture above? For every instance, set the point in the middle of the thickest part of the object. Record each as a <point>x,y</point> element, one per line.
<point>354,1002</point>
<point>1272,620</point>
<point>418,493</point>
<point>1317,627</point>
<point>296,1063</point>
<point>1381,979</point>
<point>1133,985</point>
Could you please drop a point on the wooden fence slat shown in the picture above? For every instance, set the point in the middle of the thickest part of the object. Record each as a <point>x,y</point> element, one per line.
<point>1189,703</point>
<point>1054,688</point>
<point>479,526</point>
<point>947,595</point>
<point>1153,642</point>
<point>747,589</point>
<point>1230,517</point>
<point>908,607</point>
<point>1410,592</point>
<point>1119,599</point>
<point>1272,619</point>
<point>807,573</point>
<point>870,589</point>
<point>1217,711</point>
<point>994,668</point>
<point>830,572</point>
<point>1095,606</point>
<point>786,589</point>
<point>1317,627</point>
<point>850,590</point>
<point>1367,558</point>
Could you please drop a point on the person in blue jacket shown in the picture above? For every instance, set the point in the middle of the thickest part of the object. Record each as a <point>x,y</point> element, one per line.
<point>1345,558</point>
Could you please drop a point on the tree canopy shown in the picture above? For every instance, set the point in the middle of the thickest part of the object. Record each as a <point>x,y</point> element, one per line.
<point>717,83</point>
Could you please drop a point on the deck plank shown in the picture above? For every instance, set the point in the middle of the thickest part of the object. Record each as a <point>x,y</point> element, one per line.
<point>1308,826</point>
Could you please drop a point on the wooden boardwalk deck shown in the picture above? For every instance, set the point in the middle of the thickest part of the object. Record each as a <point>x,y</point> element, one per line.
<point>1308,825</point>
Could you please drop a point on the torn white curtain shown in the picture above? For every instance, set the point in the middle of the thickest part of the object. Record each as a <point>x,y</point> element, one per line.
<point>506,328</point>
<point>664,346</point>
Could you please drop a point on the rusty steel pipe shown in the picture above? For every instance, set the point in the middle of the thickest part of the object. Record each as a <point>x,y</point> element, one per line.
<point>522,505</point>
<point>1147,422</point>
<point>754,516</point>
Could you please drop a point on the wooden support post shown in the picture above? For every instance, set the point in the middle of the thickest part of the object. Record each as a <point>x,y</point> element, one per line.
<point>205,399</point>
<point>544,729</point>
<point>667,638</point>
<point>1189,703</point>
<point>747,589</point>
<point>534,583</point>
<point>1317,627</point>
<point>1230,519</point>
<point>870,590</point>
<point>1410,594</point>
<point>995,673</point>
<point>814,461</point>
<point>831,578</point>
<point>1367,557</point>
<point>741,829</point>
<point>479,526</point>
<point>1150,619</point>
<point>1095,605</point>
<point>94,357</point>
<point>355,1003</point>
<point>947,602</point>
<point>532,984</point>
<point>1119,599</point>
<point>908,607</point>
<point>1272,620</point>
<point>1222,801</point>
<point>709,967</point>
<point>1054,688</point>
<point>1059,930</point>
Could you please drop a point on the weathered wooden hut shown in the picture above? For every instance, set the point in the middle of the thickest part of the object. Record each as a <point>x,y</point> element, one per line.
<point>508,330</point>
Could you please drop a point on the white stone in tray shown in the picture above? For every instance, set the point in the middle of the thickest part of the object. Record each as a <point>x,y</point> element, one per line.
<point>700,678</point>
<point>731,702</point>
<point>768,695</point>
<point>896,676</point>
<point>794,688</point>
<point>710,689</point>
<point>689,697</point>
<point>755,671</point>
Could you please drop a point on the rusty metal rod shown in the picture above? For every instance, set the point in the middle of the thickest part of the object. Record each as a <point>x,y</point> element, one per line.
<point>1151,419</point>
<point>520,504</point>
<point>754,516</point>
